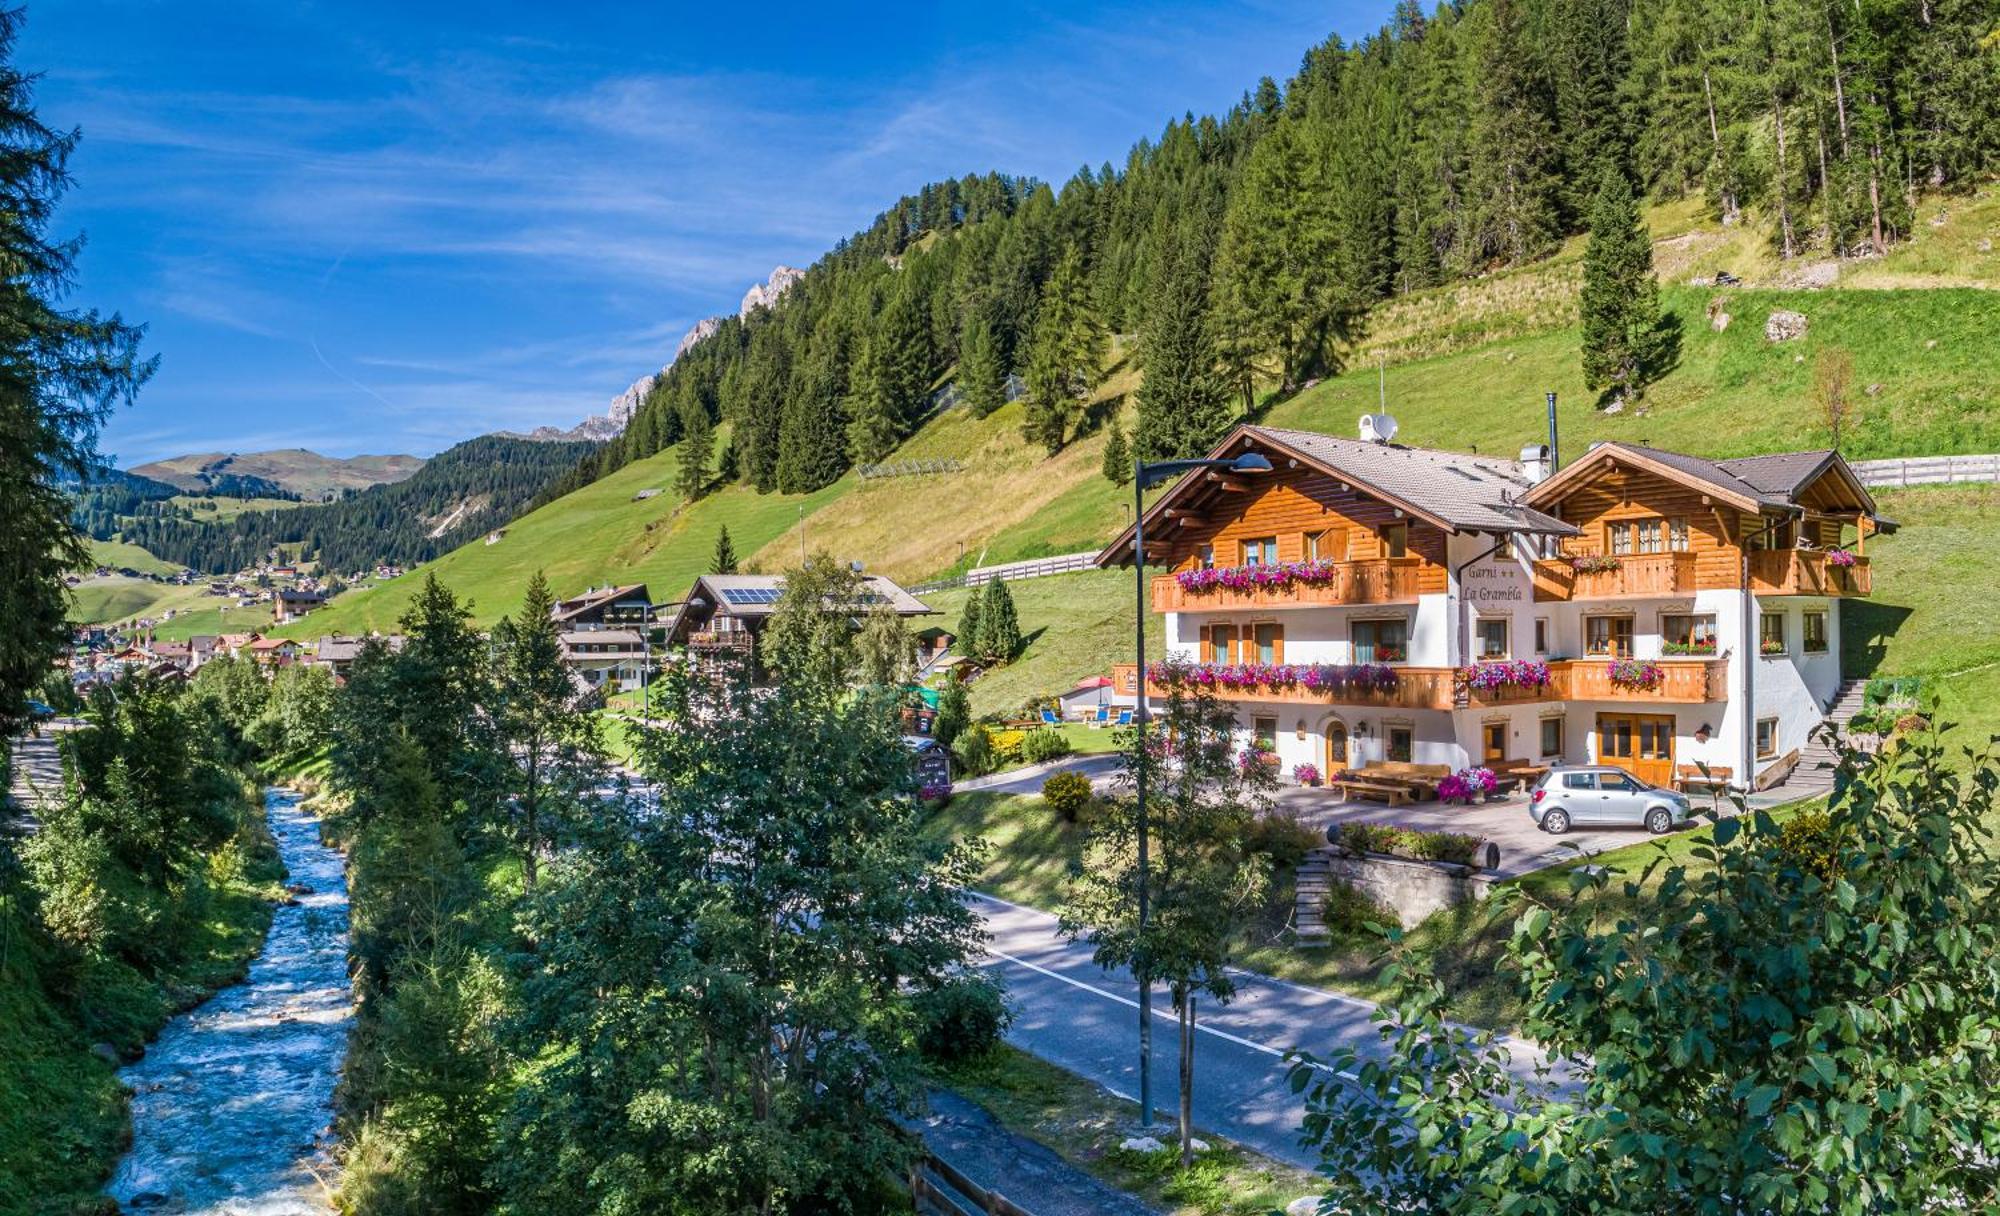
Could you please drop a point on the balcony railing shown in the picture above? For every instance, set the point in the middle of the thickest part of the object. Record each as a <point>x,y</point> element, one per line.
<point>1410,688</point>
<point>1639,574</point>
<point>1383,581</point>
<point>1678,680</point>
<point>727,639</point>
<point>1807,572</point>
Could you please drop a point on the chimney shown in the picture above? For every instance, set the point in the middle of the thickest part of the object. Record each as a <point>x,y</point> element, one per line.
<point>1555,449</point>
<point>1536,464</point>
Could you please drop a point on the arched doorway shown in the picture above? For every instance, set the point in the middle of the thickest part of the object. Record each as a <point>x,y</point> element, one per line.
<point>1335,733</point>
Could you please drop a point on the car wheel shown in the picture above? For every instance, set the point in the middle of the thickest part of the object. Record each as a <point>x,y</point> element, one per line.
<point>1555,823</point>
<point>1658,822</point>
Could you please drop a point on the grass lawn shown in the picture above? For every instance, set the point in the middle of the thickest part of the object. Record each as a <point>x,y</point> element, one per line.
<point>123,555</point>
<point>222,510</point>
<point>1084,1125</point>
<point>1074,625</point>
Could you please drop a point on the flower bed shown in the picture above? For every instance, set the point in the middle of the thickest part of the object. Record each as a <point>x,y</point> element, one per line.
<point>1251,578</point>
<point>1492,677</point>
<point>1467,784</point>
<point>1593,563</point>
<point>1637,673</point>
<point>1312,677</point>
<point>1840,559</point>
<point>1410,843</point>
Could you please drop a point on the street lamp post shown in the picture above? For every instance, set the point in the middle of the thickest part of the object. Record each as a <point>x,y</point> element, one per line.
<point>1146,474</point>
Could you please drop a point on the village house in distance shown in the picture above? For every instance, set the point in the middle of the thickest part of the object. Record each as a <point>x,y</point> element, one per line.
<point>1366,602</point>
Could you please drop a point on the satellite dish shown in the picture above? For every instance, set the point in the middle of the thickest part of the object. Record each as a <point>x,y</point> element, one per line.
<point>1378,428</point>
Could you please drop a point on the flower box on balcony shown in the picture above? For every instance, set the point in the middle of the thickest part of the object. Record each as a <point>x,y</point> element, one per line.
<point>1637,673</point>
<point>1312,677</point>
<point>1501,676</point>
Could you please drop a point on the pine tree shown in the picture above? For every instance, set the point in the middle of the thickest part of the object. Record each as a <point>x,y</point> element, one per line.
<point>697,445</point>
<point>1513,140</point>
<point>1066,359</point>
<point>547,728</point>
<point>1276,286</point>
<point>982,377</point>
<point>872,426</point>
<point>724,561</point>
<point>1620,299</point>
<point>999,627</point>
<point>1183,404</point>
<point>971,640</point>
<point>1117,457</point>
<point>812,446</point>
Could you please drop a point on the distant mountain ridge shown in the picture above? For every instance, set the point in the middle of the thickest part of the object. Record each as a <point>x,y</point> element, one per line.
<point>296,470</point>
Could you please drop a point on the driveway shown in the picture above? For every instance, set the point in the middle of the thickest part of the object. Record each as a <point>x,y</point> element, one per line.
<point>1524,847</point>
<point>38,774</point>
<point>1100,767</point>
<point>1079,1016</point>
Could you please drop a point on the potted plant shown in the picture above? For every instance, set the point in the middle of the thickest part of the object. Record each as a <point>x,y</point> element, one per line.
<point>1305,774</point>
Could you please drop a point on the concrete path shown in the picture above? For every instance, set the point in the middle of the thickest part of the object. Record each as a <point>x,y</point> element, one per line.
<point>37,772</point>
<point>1026,1172</point>
<point>1075,1014</point>
<point>1099,767</point>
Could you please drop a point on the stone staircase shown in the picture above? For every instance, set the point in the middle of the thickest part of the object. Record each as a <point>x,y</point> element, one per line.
<point>1814,773</point>
<point>1315,877</point>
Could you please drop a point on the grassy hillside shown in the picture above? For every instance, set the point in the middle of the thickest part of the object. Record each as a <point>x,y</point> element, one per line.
<point>296,469</point>
<point>120,555</point>
<point>1074,625</point>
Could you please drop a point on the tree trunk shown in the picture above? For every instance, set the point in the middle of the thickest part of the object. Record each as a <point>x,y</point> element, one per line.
<point>1875,197</point>
<point>1825,185</point>
<point>1184,1006</point>
<point>1839,91</point>
<point>1791,244</point>
<point>1730,207</point>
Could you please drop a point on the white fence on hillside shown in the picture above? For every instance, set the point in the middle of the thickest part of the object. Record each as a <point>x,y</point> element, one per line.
<point>1928,470</point>
<point>1034,567</point>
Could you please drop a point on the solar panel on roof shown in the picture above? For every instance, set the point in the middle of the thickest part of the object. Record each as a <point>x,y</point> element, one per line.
<point>750,595</point>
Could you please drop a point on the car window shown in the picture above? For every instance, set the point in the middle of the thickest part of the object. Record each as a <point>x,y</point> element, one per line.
<point>1580,781</point>
<point>1616,781</point>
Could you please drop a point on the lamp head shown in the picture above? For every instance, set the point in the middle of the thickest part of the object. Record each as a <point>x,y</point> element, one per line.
<point>1250,462</point>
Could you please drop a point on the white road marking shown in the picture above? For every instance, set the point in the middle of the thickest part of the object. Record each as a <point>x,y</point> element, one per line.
<point>1129,1003</point>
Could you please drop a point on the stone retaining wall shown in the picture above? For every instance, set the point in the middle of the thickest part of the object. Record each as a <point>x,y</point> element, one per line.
<point>1411,889</point>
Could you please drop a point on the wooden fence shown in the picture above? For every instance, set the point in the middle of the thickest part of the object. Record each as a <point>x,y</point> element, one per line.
<point>1014,571</point>
<point>1928,470</point>
<point>936,1187</point>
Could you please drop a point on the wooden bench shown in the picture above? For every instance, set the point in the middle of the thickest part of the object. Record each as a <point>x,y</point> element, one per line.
<point>1394,795</point>
<point>1689,778</point>
<point>1421,780</point>
<point>1510,775</point>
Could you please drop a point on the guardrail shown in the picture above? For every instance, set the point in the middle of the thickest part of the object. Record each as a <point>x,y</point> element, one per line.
<point>909,468</point>
<point>1035,567</point>
<point>936,1187</point>
<point>1928,470</point>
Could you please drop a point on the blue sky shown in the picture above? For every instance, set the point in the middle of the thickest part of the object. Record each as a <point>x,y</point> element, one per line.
<point>386,227</point>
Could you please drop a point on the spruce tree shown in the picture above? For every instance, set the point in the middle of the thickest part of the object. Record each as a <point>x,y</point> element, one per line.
<point>872,427</point>
<point>812,445</point>
<point>1183,404</point>
<point>1277,290</point>
<point>63,372</point>
<point>999,628</point>
<point>971,641</point>
<point>547,726</point>
<point>1117,457</point>
<point>1620,299</point>
<point>697,445</point>
<point>1518,214</point>
<point>724,561</point>
<point>982,375</point>
<point>1066,359</point>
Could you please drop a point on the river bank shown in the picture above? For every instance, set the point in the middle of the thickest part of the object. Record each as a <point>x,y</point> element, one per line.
<point>232,1104</point>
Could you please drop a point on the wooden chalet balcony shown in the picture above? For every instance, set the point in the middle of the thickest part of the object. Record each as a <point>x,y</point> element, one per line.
<point>1383,581</point>
<point>1638,574</point>
<point>732,639</point>
<point>1807,572</point>
<point>1682,681</point>
<point>1415,688</point>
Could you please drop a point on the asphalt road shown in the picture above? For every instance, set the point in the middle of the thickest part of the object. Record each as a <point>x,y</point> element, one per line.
<point>1073,1013</point>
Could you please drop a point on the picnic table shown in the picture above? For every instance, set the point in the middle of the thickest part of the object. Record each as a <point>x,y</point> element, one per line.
<point>1392,794</point>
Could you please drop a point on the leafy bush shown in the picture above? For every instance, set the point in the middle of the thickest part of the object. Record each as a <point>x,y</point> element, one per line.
<point>962,1018</point>
<point>974,750</point>
<point>1371,837</point>
<point>1006,746</point>
<point>1809,841</point>
<point>1349,910</point>
<point>1443,846</point>
<point>1068,795</point>
<point>1888,690</point>
<point>1040,746</point>
<point>1282,838</point>
<point>1408,842</point>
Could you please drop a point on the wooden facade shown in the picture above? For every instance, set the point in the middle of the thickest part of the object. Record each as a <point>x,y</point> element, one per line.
<point>1383,581</point>
<point>1683,682</point>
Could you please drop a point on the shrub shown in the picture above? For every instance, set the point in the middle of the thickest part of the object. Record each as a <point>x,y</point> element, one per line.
<point>961,1018</point>
<point>1809,841</point>
<point>1006,746</point>
<point>975,752</point>
<point>1443,846</point>
<point>1068,795</point>
<point>1349,910</point>
<point>1371,837</point>
<point>1282,838</point>
<point>1038,746</point>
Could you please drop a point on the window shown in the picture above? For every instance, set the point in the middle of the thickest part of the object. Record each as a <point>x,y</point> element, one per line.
<point>1494,737</point>
<point>1771,633</point>
<point>1381,641</point>
<point>1264,734</point>
<point>1652,536</point>
<point>1677,534</point>
<point>1618,538</point>
<point>1221,644</point>
<point>1608,635</point>
<point>1815,633</point>
<point>1402,743</point>
<point>1541,635</point>
<point>1552,737</point>
<point>1767,737</point>
<point>1579,781</point>
<point>1269,639</point>
<point>1490,637</point>
<point>1395,540</point>
<point>1207,557</point>
<point>1261,552</point>
<point>1685,633</point>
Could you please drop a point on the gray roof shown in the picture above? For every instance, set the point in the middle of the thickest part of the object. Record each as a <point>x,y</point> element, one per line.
<point>1468,493</point>
<point>601,637</point>
<point>763,589</point>
<point>1784,473</point>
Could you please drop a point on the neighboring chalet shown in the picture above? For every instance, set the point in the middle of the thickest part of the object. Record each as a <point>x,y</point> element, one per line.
<point>337,653</point>
<point>727,612</point>
<point>1365,601</point>
<point>603,634</point>
<point>604,608</point>
<point>274,652</point>
<point>290,603</point>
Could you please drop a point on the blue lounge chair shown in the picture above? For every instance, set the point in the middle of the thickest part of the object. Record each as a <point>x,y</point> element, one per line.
<point>1103,715</point>
<point>1049,718</point>
<point>1124,718</point>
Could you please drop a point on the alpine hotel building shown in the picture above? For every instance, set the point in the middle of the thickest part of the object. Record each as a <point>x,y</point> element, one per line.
<point>1368,601</point>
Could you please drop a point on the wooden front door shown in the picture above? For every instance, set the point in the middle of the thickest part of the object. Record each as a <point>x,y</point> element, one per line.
<point>1493,737</point>
<point>1641,744</point>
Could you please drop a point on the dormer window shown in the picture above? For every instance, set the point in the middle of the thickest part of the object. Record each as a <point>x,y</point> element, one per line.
<point>1262,551</point>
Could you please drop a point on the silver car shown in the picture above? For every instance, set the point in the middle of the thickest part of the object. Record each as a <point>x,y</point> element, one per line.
<point>1603,796</point>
